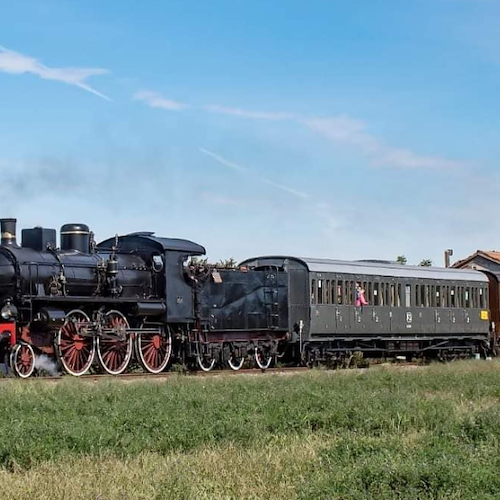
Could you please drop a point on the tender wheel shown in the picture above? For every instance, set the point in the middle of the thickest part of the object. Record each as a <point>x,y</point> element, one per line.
<point>115,347</point>
<point>154,348</point>
<point>22,360</point>
<point>235,361</point>
<point>263,358</point>
<point>74,347</point>
<point>205,358</point>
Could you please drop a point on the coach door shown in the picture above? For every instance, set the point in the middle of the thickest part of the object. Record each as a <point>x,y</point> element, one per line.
<point>344,301</point>
<point>375,310</point>
<point>494,304</point>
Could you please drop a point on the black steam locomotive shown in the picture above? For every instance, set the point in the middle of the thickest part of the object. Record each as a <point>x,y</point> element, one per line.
<point>142,298</point>
<point>130,297</point>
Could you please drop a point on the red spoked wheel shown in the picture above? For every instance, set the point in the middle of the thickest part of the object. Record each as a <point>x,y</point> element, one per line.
<point>22,360</point>
<point>115,345</point>
<point>74,346</point>
<point>154,348</point>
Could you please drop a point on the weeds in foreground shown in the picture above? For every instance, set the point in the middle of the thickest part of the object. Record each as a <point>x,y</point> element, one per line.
<point>381,433</point>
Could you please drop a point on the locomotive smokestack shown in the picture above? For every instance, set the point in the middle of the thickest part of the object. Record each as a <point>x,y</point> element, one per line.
<point>8,230</point>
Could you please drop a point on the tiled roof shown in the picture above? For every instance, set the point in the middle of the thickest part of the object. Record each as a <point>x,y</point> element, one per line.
<point>492,254</point>
<point>489,254</point>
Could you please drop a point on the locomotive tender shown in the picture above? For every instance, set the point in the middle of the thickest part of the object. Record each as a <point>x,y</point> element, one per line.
<point>138,297</point>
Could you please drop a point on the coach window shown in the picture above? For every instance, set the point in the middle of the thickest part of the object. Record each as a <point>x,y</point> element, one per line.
<point>327,291</point>
<point>453,302</point>
<point>350,292</point>
<point>467,297</point>
<point>320,291</point>
<point>408,296</point>
<point>399,296</point>
<point>417,295</point>
<point>482,305</point>
<point>313,291</point>
<point>339,292</point>
<point>370,293</point>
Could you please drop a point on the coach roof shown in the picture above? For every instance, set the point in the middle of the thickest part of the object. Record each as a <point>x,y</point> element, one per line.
<point>374,268</point>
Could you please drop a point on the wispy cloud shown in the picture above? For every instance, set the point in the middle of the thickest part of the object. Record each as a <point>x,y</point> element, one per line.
<point>223,161</point>
<point>245,113</point>
<point>156,100</point>
<point>343,129</point>
<point>235,166</point>
<point>18,64</point>
<point>340,129</point>
<point>287,189</point>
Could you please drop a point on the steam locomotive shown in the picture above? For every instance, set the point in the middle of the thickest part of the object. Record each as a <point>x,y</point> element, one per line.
<point>142,299</point>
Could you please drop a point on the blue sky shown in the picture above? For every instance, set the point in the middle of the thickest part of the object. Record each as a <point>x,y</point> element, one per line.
<point>329,128</point>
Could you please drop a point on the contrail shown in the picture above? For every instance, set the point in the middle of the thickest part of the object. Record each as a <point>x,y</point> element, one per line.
<point>240,168</point>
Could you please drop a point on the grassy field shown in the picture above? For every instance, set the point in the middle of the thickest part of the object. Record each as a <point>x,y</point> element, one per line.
<point>384,433</point>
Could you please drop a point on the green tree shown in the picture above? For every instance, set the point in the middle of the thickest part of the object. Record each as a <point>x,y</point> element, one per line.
<point>401,259</point>
<point>426,263</point>
<point>226,263</point>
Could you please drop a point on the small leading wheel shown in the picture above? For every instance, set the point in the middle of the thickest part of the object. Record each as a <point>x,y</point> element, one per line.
<point>153,348</point>
<point>22,360</point>
<point>235,360</point>
<point>114,348</point>
<point>74,346</point>
<point>263,358</point>
<point>205,357</point>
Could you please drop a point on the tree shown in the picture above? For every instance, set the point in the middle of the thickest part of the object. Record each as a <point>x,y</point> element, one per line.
<point>426,263</point>
<point>401,259</point>
<point>226,263</point>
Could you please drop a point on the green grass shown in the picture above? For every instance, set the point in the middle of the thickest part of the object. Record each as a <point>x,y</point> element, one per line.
<point>384,433</point>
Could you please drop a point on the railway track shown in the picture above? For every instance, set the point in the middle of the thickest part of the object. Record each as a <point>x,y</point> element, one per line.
<point>139,376</point>
<point>165,375</point>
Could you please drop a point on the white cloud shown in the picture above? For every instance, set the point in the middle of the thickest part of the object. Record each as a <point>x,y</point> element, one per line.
<point>17,64</point>
<point>223,161</point>
<point>156,100</point>
<point>244,113</point>
<point>240,168</point>
<point>287,189</point>
<point>343,129</point>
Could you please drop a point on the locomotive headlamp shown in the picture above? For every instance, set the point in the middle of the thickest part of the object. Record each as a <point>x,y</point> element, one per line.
<point>8,311</point>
